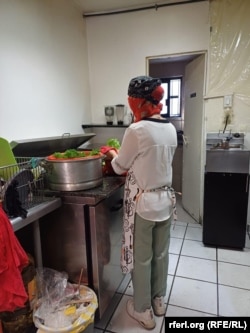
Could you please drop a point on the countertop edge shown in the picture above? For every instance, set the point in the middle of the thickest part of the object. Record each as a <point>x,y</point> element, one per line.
<point>36,213</point>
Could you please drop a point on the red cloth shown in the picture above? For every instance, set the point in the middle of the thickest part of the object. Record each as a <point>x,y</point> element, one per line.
<point>158,94</point>
<point>12,260</point>
<point>105,149</point>
<point>142,108</point>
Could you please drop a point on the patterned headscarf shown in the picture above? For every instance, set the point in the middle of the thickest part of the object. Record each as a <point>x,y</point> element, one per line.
<point>145,94</point>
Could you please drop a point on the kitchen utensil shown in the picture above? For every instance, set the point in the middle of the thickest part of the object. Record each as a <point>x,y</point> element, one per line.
<point>74,174</point>
<point>109,114</point>
<point>42,147</point>
<point>120,113</point>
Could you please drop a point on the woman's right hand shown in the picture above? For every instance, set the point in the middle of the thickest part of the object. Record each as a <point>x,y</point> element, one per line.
<point>111,154</point>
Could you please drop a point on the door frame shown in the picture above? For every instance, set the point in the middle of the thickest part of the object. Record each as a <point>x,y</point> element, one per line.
<point>188,57</point>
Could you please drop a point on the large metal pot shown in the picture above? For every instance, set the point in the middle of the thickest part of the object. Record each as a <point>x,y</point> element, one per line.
<point>74,174</point>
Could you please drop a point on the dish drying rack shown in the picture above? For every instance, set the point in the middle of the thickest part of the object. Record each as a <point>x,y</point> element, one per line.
<point>27,179</point>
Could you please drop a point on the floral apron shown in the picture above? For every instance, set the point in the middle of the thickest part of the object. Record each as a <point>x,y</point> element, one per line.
<point>132,193</point>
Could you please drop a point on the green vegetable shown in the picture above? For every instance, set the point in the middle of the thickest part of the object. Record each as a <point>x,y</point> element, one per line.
<point>113,143</point>
<point>73,153</point>
<point>94,152</point>
<point>58,155</point>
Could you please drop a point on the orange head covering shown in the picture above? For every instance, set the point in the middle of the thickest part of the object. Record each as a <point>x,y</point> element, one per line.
<point>144,95</point>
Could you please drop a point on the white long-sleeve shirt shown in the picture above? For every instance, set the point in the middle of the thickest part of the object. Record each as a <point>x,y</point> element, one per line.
<point>147,148</point>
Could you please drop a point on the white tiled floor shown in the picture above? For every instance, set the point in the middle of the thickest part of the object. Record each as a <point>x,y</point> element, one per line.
<point>202,281</point>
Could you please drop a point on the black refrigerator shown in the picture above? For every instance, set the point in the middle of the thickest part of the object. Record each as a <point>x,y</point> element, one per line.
<point>226,188</point>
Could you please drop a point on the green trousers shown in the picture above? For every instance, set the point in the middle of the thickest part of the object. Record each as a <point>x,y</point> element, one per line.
<point>149,276</point>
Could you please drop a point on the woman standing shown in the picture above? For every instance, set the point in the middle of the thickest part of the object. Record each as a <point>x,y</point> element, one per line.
<point>146,154</point>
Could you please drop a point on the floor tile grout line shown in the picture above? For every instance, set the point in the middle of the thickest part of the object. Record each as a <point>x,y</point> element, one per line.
<point>189,278</point>
<point>233,263</point>
<point>175,271</point>
<point>234,287</point>
<point>189,256</point>
<point>174,275</point>
<point>183,307</point>
<point>217,279</point>
<point>217,259</point>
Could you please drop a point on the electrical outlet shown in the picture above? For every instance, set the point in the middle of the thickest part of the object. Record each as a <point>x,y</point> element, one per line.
<point>228,101</point>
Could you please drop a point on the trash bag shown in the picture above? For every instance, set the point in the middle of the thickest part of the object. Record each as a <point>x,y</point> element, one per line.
<point>62,306</point>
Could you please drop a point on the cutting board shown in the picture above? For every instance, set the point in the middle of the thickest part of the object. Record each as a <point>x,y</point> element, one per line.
<point>7,158</point>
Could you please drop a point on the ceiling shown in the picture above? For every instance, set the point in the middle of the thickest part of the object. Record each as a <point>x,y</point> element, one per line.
<point>95,7</point>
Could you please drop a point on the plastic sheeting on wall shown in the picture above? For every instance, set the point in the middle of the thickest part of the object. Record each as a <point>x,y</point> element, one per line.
<point>230,49</point>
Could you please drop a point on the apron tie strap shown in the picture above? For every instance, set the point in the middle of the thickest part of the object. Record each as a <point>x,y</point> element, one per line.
<point>162,188</point>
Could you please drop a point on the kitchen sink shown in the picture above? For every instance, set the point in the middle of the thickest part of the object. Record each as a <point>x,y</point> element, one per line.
<point>229,147</point>
<point>225,141</point>
<point>231,160</point>
<point>226,188</point>
<point>226,152</point>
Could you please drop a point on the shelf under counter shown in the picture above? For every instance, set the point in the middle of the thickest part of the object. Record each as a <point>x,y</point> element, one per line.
<point>33,217</point>
<point>35,213</point>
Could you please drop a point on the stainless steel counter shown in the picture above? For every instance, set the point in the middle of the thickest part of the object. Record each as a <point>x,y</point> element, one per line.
<point>83,238</point>
<point>54,200</point>
<point>91,196</point>
<point>231,161</point>
<point>36,213</point>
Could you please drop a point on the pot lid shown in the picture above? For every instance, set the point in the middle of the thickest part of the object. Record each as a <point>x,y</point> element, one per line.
<point>42,147</point>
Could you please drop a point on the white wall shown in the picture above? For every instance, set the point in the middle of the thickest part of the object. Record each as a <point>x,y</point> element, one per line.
<point>46,71</point>
<point>229,66</point>
<point>119,44</point>
<point>49,55</point>
<point>44,83</point>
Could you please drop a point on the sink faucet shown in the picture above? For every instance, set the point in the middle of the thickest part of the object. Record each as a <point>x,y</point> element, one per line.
<point>225,143</point>
<point>230,136</point>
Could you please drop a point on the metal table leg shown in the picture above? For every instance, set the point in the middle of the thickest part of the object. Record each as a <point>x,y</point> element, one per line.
<point>37,244</point>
